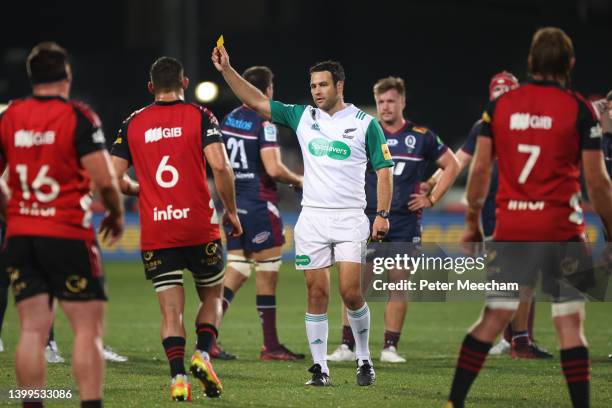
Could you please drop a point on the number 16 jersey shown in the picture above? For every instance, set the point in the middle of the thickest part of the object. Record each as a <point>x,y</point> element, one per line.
<point>164,142</point>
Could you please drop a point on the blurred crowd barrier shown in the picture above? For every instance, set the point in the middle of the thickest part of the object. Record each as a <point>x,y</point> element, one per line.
<point>438,227</point>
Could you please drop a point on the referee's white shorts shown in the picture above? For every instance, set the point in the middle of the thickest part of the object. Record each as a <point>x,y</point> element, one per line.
<point>325,236</point>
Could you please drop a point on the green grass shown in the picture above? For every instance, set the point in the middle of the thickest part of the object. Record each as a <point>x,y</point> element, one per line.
<point>430,341</point>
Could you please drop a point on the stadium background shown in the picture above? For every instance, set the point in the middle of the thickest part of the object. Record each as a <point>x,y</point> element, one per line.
<point>445,50</point>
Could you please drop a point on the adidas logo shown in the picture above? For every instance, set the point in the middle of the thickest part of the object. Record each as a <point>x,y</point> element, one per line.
<point>317,341</point>
<point>362,331</point>
<point>315,126</point>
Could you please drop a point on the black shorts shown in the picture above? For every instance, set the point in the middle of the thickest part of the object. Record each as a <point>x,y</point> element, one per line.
<point>205,262</point>
<point>565,268</point>
<point>68,269</point>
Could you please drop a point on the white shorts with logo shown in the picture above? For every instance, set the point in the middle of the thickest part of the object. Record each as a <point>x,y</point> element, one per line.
<point>325,236</point>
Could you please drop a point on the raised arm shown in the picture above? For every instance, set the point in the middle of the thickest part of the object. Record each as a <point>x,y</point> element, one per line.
<point>247,93</point>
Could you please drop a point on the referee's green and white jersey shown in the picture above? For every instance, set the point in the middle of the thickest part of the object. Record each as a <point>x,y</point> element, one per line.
<point>336,150</point>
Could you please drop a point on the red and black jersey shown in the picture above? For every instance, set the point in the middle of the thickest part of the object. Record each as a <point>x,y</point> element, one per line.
<point>42,140</point>
<point>164,142</point>
<point>538,132</point>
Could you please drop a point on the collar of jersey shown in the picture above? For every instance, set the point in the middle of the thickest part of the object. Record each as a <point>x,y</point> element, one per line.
<point>545,82</point>
<point>166,103</point>
<point>49,97</point>
<point>398,132</point>
<point>347,110</point>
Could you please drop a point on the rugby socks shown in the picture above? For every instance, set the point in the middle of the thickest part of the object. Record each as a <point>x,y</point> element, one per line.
<point>360,324</point>
<point>32,404</point>
<point>51,333</point>
<point>266,307</point>
<point>472,356</point>
<point>391,339</point>
<point>316,331</point>
<point>520,339</point>
<point>207,335</point>
<point>577,371</point>
<point>508,333</point>
<point>228,296</point>
<point>347,337</point>
<point>175,352</point>
<point>91,404</point>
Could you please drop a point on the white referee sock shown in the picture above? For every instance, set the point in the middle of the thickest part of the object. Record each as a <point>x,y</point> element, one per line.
<point>360,325</point>
<point>316,330</point>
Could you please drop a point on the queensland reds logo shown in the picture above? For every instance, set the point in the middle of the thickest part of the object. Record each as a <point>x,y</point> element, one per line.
<point>410,142</point>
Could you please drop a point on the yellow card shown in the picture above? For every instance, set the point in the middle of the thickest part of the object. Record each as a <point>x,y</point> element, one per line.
<point>220,41</point>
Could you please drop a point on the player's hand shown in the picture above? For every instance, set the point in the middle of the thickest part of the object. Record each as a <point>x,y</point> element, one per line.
<point>424,188</point>
<point>472,241</point>
<point>419,201</point>
<point>111,228</point>
<point>380,228</point>
<point>299,186</point>
<point>220,58</point>
<point>233,220</point>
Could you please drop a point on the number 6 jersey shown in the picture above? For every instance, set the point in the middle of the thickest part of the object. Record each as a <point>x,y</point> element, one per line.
<point>164,142</point>
<point>42,141</point>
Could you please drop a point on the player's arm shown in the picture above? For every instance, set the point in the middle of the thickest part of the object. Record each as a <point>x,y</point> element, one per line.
<point>216,156</point>
<point>271,158</point>
<point>93,156</point>
<point>464,160</point>
<point>247,93</point>
<point>599,186</point>
<point>98,166</point>
<point>127,185</point>
<point>380,159</point>
<point>449,170</point>
<point>479,180</point>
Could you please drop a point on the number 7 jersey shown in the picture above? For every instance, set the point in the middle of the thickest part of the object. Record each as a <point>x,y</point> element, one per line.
<point>539,131</point>
<point>164,142</point>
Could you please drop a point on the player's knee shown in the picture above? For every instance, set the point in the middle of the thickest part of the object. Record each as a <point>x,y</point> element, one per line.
<point>352,298</point>
<point>240,264</point>
<point>318,293</point>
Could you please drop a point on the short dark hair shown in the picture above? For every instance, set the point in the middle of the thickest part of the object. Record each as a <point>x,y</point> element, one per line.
<point>334,67</point>
<point>551,53</point>
<point>47,62</point>
<point>167,74</point>
<point>388,83</point>
<point>259,76</point>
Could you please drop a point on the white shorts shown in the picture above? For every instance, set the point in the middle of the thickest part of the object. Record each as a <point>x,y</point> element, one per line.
<point>325,236</point>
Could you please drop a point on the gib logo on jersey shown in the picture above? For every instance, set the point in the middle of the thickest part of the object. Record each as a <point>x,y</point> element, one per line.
<point>336,149</point>
<point>524,121</point>
<point>170,213</point>
<point>156,134</point>
<point>29,138</point>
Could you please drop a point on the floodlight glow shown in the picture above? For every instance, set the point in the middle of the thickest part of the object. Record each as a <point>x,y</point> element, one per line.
<point>206,91</point>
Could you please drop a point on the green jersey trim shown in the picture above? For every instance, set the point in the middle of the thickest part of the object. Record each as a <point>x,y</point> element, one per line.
<point>287,115</point>
<point>378,151</point>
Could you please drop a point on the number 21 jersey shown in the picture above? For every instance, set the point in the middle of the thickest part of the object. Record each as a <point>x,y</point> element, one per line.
<point>164,142</point>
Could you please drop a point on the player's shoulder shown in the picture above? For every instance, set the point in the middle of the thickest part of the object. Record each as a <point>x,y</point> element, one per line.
<point>134,115</point>
<point>420,130</point>
<point>205,112</point>
<point>12,105</point>
<point>81,108</point>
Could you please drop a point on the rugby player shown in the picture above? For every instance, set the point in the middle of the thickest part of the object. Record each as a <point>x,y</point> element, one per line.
<point>336,140</point>
<point>54,149</point>
<point>542,133</point>
<point>169,144</point>
<point>413,148</point>
<point>518,336</point>
<point>252,145</point>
